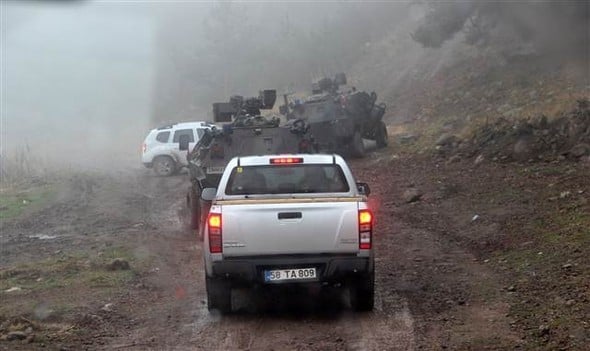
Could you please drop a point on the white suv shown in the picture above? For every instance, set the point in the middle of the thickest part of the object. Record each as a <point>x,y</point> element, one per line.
<point>160,149</point>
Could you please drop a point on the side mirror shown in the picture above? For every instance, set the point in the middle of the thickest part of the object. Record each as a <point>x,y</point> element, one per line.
<point>363,189</point>
<point>183,142</point>
<point>208,194</point>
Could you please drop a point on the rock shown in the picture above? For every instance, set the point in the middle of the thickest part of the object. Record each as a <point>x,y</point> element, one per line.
<point>108,307</point>
<point>544,329</point>
<point>522,148</point>
<point>407,138</point>
<point>16,335</point>
<point>580,150</point>
<point>475,218</point>
<point>446,139</point>
<point>118,264</point>
<point>412,195</point>
<point>454,159</point>
<point>479,159</point>
<point>567,266</point>
<point>570,302</point>
<point>13,289</point>
<point>511,288</point>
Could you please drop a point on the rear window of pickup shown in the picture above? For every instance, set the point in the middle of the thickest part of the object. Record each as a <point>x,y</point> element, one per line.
<point>287,179</point>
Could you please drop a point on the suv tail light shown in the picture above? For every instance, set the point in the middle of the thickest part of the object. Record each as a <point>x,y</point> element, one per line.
<point>215,243</point>
<point>365,229</point>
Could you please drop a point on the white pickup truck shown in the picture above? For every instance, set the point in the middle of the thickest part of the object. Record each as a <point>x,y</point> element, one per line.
<point>288,219</point>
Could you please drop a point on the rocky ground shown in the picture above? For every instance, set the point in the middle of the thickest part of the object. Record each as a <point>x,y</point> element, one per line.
<point>470,256</point>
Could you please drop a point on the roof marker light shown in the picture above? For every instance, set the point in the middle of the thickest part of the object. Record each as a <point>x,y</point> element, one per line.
<point>286,160</point>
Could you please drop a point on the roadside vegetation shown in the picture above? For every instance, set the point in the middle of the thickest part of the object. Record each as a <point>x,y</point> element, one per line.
<point>16,198</point>
<point>45,300</point>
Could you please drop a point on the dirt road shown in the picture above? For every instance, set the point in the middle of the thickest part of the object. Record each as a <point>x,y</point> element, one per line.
<point>436,287</point>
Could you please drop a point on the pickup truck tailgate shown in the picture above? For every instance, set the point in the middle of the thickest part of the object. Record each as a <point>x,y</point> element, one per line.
<point>290,228</point>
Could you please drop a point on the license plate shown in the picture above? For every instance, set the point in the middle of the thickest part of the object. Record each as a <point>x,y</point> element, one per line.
<point>279,275</point>
<point>215,170</point>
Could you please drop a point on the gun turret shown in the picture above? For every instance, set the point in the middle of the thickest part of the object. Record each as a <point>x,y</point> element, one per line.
<point>238,106</point>
<point>329,85</point>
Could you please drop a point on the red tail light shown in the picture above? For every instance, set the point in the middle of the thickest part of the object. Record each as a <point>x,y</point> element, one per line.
<point>286,160</point>
<point>365,229</point>
<point>215,243</point>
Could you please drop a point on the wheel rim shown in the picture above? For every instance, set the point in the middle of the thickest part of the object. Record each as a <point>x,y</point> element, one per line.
<point>164,167</point>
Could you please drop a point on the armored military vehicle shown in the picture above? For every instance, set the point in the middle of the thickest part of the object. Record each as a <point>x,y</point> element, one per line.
<point>338,120</point>
<point>241,131</point>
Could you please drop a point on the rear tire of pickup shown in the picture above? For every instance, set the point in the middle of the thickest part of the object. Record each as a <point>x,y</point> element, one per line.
<point>218,295</point>
<point>362,293</point>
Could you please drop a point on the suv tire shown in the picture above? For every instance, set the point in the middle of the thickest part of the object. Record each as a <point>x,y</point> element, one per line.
<point>357,145</point>
<point>164,166</point>
<point>218,295</point>
<point>362,293</point>
<point>381,137</point>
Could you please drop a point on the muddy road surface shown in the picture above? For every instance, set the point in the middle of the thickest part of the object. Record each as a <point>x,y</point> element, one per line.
<point>435,289</point>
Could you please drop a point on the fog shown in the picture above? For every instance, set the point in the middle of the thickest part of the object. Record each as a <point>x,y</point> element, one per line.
<point>83,81</point>
<point>77,81</point>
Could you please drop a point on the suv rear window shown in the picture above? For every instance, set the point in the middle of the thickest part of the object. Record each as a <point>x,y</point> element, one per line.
<point>180,132</point>
<point>163,137</point>
<point>283,179</point>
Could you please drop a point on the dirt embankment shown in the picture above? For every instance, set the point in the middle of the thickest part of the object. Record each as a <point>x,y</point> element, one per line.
<point>535,139</point>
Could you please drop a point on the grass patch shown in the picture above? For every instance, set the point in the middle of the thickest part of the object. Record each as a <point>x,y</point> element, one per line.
<point>67,281</point>
<point>14,201</point>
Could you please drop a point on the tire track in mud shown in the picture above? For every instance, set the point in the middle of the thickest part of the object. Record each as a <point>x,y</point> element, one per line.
<point>332,327</point>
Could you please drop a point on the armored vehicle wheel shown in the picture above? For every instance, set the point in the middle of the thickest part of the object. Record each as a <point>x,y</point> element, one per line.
<point>164,166</point>
<point>381,135</point>
<point>357,146</point>
<point>194,208</point>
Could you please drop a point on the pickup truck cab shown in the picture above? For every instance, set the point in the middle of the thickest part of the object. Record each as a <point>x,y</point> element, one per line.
<point>288,219</point>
